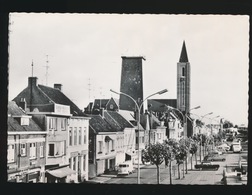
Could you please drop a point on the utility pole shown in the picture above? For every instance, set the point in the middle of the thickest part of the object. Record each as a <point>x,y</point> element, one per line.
<point>47,67</point>
<point>32,68</point>
<point>89,90</point>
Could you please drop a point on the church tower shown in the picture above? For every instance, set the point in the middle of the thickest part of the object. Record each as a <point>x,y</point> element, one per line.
<point>131,82</point>
<point>183,81</point>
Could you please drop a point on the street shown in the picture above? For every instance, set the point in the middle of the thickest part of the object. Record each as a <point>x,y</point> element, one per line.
<point>193,177</point>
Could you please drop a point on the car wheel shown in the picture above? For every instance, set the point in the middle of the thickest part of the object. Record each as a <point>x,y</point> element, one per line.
<point>211,159</point>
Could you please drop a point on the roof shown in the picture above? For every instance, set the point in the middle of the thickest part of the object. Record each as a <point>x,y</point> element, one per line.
<point>129,116</point>
<point>183,55</point>
<point>14,124</point>
<point>13,109</point>
<point>97,103</point>
<point>44,97</point>
<point>158,105</point>
<point>98,124</point>
<point>116,120</point>
<point>60,98</point>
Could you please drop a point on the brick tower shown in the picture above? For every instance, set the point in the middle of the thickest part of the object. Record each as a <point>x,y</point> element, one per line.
<point>131,82</point>
<point>184,90</point>
<point>183,81</point>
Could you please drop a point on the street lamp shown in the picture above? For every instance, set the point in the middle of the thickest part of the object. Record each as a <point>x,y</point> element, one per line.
<point>138,121</point>
<point>212,124</point>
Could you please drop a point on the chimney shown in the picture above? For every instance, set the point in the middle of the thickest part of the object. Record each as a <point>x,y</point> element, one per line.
<point>102,112</point>
<point>32,81</point>
<point>23,104</point>
<point>58,86</point>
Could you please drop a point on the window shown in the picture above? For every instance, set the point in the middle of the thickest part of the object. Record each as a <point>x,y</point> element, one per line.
<point>52,123</point>
<point>84,163</point>
<point>80,136</point>
<point>107,147</point>
<point>100,146</point>
<point>136,140</point>
<point>183,71</point>
<point>142,139</point>
<point>85,135</point>
<point>57,149</point>
<point>70,136</point>
<point>33,150</point>
<point>23,149</point>
<point>111,106</point>
<point>41,150</point>
<point>51,150</point>
<point>75,135</point>
<point>113,145</point>
<point>11,152</point>
<point>74,164</point>
<point>63,124</point>
<point>159,135</point>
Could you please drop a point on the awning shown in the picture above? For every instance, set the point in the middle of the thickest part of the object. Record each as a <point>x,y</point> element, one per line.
<point>107,139</point>
<point>61,172</point>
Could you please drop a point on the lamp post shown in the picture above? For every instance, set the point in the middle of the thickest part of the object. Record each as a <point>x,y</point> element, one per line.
<point>186,114</point>
<point>138,122</point>
<point>202,117</point>
<point>212,124</point>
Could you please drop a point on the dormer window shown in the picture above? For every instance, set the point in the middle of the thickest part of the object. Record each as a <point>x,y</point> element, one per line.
<point>23,120</point>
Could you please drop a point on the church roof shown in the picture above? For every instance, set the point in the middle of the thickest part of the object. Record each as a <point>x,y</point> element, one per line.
<point>183,55</point>
<point>158,105</point>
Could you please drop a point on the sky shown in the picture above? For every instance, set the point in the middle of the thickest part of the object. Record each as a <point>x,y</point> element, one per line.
<point>85,49</point>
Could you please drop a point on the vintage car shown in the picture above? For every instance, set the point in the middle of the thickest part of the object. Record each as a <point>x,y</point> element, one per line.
<point>214,158</point>
<point>207,165</point>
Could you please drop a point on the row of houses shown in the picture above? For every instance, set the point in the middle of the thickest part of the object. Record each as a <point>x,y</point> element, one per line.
<point>51,140</point>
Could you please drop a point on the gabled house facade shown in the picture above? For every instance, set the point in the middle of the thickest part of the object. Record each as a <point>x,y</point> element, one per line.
<point>155,128</point>
<point>57,114</point>
<point>102,146</point>
<point>125,136</point>
<point>140,136</point>
<point>26,156</point>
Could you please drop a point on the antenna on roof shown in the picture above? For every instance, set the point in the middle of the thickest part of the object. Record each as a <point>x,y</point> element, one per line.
<point>32,68</point>
<point>89,93</point>
<point>47,66</point>
<point>100,96</point>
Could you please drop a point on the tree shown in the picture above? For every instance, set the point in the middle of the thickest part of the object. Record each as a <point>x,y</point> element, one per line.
<point>185,144</point>
<point>156,154</point>
<point>172,149</point>
<point>193,150</point>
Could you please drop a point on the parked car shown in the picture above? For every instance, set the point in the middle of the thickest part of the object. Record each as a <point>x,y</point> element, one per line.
<point>215,152</point>
<point>214,158</point>
<point>224,146</point>
<point>207,165</point>
<point>125,168</point>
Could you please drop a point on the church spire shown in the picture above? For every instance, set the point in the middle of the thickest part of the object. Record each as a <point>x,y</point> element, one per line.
<point>183,55</point>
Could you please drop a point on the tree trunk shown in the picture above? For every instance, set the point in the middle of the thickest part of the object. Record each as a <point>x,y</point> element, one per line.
<point>158,175</point>
<point>183,169</point>
<point>200,152</point>
<point>204,151</point>
<point>186,164</point>
<point>196,158</point>
<point>178,172</point>
<point>170,167</point>
<point>191,162</point>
